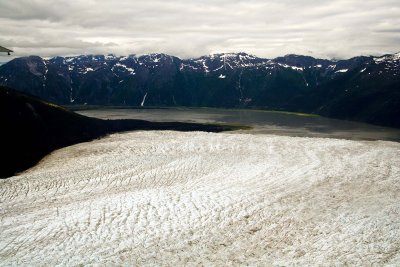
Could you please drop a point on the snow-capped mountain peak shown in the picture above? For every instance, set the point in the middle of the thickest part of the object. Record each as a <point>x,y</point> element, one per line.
<point>219,79</point>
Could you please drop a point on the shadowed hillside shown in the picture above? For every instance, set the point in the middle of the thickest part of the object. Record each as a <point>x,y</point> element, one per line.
<point>32,128</point>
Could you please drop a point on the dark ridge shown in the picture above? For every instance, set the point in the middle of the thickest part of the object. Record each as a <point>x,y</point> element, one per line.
<point>32,128</point>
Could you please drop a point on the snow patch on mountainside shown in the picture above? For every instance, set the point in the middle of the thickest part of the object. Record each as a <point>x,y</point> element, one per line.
<point>130,70</point>
<point>342,71</point>
<point>291,67</point>
<point>170,198</point>
<point>387,58</point>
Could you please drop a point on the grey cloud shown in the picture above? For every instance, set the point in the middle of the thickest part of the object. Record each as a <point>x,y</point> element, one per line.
<point>190,28</point>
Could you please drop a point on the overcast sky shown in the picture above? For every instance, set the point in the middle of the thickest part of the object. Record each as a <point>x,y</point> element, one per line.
<point>191,28</point>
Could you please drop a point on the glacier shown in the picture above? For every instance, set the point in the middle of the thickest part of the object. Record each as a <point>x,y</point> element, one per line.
<point>169,198</point>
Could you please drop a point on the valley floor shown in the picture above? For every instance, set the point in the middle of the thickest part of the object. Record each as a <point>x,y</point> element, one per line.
<point>173,198</point>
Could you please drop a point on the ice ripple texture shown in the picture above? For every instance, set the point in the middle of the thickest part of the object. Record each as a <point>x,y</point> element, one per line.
<point>172,199</point>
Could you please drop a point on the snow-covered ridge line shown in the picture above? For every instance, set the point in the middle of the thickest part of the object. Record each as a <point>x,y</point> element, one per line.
<point>242,55</point>
<point>230,60</point>
<point>216,63</point>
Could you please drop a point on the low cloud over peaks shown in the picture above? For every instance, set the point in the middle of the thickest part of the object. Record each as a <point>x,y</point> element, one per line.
<point>189,28</point>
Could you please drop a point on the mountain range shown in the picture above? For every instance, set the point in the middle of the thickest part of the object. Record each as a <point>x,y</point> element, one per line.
<point>363,88</point>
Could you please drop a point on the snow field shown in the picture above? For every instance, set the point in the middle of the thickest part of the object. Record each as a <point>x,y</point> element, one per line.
<point>170,198</point>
